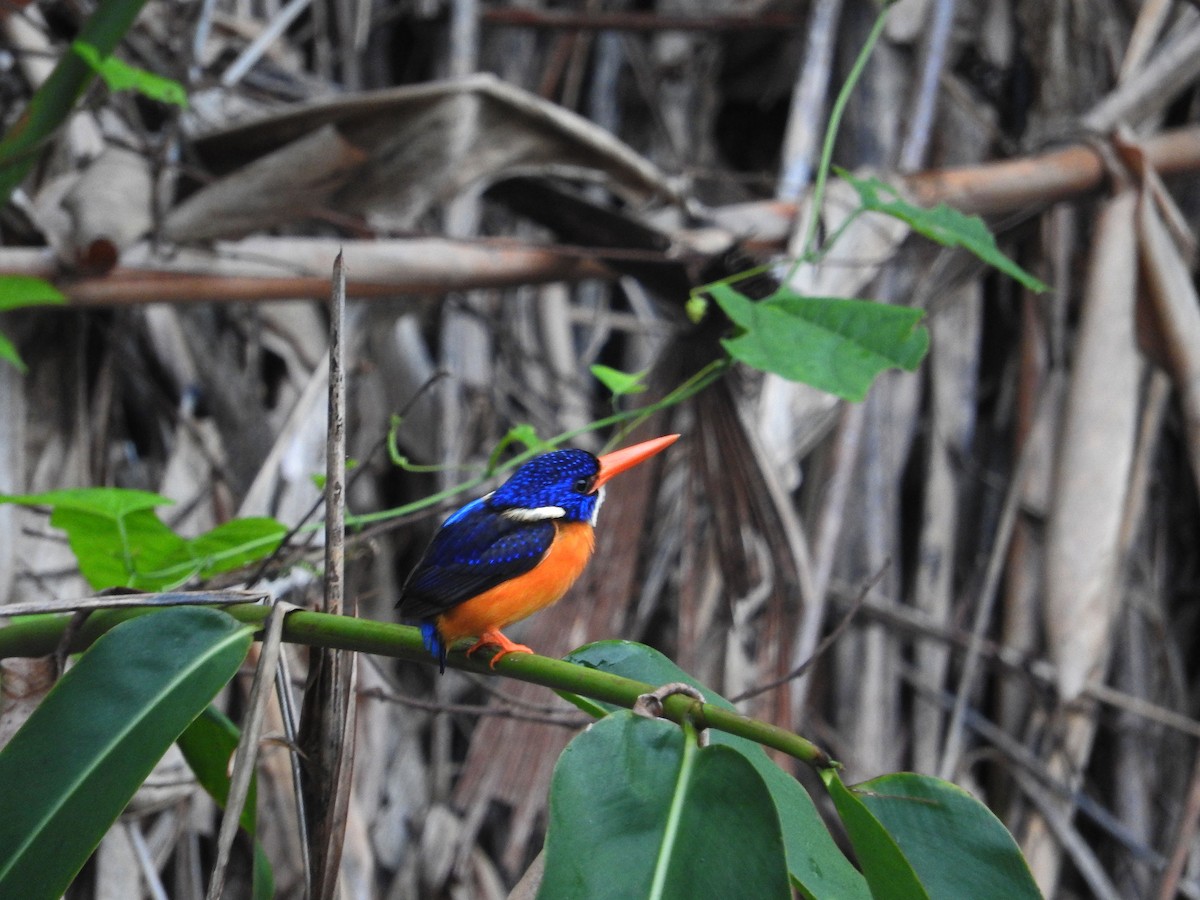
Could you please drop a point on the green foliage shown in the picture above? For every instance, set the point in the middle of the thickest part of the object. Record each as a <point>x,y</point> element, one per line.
<point>526,436</point>
<point>889,875</point>
<point>53,101</point>
<point>838,344</point>
<point>918,836</point>
<point>672,819</point>
<point>914,836</point>
<point>319,478</point>
<point>634,802</point>
<point>208,745</point>
<point>834,344</point>
<point>119,541</point>
<point>956,845</point>
<point>816,866</point>
<point>620,383</point>
<point>79,758</point>
<point>942,224</point>
<point>907,830</point>
<point>120,76</point>
<point>17,292</point>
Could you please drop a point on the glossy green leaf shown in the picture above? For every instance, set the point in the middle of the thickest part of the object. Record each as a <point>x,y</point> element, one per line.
<point>208,745</point>
<point>76,762</point>
<point>942,224</point>
<point>888,872</point>
<point>18,291</point>
<point>817,867</point>
<point>639,810</point>
<point>955,844</point>
<point>620,383</point>
<point>831,343</point>
<point>9,354</point>
<point>120,76</point>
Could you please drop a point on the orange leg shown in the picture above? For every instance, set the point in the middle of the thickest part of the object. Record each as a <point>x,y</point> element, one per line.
<point>493,637</point>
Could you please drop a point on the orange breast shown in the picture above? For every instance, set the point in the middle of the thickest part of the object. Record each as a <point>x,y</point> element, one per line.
<point>524,595</point>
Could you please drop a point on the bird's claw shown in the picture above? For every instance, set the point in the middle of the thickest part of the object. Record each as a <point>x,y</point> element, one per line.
<point>496,639</point>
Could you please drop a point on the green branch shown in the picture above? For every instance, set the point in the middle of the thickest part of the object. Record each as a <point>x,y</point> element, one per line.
<point>41,635</point>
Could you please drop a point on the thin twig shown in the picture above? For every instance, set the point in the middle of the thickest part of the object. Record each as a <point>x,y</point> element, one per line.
<point>335,448</point>
<point>145,862</point>
<point>358,473</point>
<point>952,748</point>
<point>478,710</point>
<point>327,720</point>
<point>827,642</point>
<point>247,750</point>
<point>287,709</point>
<point>251,55</point>
<point>1013,662</point>
<point>1081,854</point>
<point>933,62</point>
<point>1182,845</point>
<point>124,601</point>
<point>808,99</point>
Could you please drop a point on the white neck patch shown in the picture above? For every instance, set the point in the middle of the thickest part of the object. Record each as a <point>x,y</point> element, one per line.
<point>539,514</point>
<point>596,508</point>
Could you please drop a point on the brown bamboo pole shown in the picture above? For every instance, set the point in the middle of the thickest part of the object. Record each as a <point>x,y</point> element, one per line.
<point>284,268</point>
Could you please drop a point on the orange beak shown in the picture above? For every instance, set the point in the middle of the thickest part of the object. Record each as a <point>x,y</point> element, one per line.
<point>619,460</point>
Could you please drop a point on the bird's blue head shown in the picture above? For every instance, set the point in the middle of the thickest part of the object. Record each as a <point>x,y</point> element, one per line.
<point>557,485</point>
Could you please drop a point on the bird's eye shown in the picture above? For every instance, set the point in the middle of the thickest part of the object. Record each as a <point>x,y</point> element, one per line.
<point>582,485</point>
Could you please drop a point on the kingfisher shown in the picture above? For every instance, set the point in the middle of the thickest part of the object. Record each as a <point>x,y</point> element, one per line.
<point>501,558</point>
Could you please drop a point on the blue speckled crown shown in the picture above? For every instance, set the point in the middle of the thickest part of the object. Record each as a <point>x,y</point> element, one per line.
<point>552,479</point>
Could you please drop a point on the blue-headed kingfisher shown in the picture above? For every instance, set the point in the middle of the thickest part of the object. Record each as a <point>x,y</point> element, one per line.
<point>514,551</point>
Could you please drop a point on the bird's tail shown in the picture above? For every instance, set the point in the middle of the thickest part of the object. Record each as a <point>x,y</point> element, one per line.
<point>434,643</point>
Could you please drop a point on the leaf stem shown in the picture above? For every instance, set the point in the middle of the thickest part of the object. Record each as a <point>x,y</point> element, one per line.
<point>675,813</point>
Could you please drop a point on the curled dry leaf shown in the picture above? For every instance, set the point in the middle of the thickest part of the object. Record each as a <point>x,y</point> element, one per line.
<point>426,143</point>
<point>287,184</point>
<point>1094,457</point>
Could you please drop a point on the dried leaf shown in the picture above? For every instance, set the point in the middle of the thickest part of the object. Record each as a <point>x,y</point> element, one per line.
<point>1175,317</point>
<point>1094,458</point>
<point>428,142</point>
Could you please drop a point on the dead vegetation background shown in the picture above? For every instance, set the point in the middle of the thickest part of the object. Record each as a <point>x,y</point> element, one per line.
<point>524,190</point>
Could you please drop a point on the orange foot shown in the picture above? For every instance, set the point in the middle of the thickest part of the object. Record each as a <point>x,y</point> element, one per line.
<point>493,637</point>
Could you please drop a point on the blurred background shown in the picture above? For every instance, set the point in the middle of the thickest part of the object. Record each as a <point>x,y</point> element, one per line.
<point>989,570</point>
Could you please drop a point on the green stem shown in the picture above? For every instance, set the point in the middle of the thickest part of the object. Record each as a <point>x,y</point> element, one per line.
<point>675,813</point>
<point>831,130</point>
<point>808,251</point>
<point>688,388</point>
<point>40,636</point>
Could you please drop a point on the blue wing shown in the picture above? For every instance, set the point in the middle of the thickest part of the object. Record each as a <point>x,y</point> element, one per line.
<point>475,549</point>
